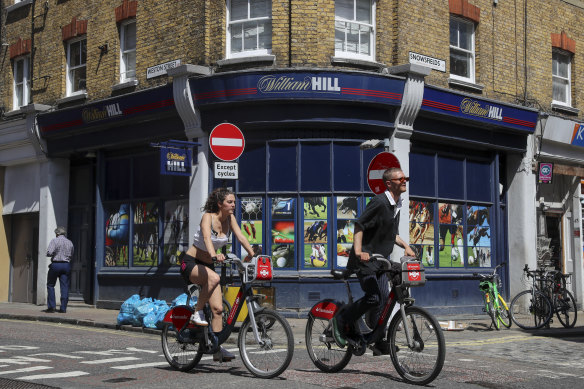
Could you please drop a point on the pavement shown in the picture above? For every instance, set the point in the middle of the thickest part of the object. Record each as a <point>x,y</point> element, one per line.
<point>88,315</point>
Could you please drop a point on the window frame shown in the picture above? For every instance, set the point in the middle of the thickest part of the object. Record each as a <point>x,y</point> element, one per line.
<point>70,69</point>
<point>471,52</point>
<point>245,53</point>
<point>568,80</point>
<point>124,51</point>
<point>372,34</point>
<point>24,84</point>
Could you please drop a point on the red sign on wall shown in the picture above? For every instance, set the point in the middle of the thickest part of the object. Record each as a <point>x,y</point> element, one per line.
<point>226,142</point>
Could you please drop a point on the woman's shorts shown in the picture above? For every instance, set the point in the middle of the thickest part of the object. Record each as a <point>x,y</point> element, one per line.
<point>188,264</point>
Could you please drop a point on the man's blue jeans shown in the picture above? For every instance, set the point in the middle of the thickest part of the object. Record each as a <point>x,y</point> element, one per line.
<point>62,271</point>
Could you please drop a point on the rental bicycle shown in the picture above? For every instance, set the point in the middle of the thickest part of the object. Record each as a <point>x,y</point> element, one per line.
<point>495,304</point>
<point>416,341</point>
<point>266,342</point>
<point>531,309</point>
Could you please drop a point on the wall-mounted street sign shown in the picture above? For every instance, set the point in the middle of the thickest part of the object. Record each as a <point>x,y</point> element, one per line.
<point>160,69</point>
<point>546,171</point>
<point>424,60</point>
<point>226,170</point>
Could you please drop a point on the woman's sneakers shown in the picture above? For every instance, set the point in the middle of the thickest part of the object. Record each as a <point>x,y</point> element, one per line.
<point>223,356</point>
<point>198,319</point>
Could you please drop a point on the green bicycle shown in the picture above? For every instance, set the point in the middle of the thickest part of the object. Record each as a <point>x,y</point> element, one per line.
<point>495,304</point>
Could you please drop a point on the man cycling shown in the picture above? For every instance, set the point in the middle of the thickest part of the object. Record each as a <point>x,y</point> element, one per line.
<point>376,232</point>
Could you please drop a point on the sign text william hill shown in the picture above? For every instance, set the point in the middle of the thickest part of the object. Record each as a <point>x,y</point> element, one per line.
<point>280,84</point>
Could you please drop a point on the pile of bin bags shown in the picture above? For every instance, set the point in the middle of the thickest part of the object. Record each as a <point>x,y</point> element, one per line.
<point>147,312</point>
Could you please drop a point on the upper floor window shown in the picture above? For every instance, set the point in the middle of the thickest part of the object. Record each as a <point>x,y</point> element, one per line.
<point>561,76</point>
<point>355,29</point>
<point>128,50</point>
<point>21,82</point>
<point>462,49</point>
<point>76,65</point>
<point>249,27</point>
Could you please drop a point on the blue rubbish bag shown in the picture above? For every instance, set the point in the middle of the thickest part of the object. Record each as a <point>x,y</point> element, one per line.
<point>127,310</point>
<point>182,300</point>
<point>152,318</point>
<point>145,306</point>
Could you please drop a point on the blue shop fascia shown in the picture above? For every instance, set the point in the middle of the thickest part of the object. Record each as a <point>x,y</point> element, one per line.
<point>302,178</point>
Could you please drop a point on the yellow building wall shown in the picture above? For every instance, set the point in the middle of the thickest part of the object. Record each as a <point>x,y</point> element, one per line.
<point>4,254</point>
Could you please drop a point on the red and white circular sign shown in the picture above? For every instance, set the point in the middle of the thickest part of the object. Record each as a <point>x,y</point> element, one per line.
<point>380,163</point>
<point>226,142</point>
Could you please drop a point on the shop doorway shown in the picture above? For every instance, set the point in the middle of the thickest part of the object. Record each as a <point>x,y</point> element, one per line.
<point>80,232</point>
<point>23,248</point>
<point>553,224</point>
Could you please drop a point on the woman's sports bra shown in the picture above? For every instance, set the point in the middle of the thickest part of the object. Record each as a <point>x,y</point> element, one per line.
<point>218,242</point>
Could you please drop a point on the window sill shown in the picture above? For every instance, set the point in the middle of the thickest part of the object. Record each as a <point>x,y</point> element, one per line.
<point>565,109</point>
<point>125,84</point>
<point>255,59</point>
<point>13,113</point>
<point>16,6</point>
<point>478,88</point>
<point>361,63</point>
<point>72,98</point>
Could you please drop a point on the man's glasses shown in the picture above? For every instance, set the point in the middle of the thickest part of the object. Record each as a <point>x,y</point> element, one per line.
<point>401,179</point>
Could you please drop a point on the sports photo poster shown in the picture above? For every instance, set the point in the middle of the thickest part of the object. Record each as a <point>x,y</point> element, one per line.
<point>315,231</point>
<point>315,255</point>
<point>176,228</point>
<point>315,207</point>
<point>421,222</point>
<point>347,207</point>
<point>283,256</point>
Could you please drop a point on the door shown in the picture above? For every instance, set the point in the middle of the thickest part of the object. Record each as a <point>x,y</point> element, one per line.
<point>553,223</point>
<point>80,232</point>
<point>23,249</point>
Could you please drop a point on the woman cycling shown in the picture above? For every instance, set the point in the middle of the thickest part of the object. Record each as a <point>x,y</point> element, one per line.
<point>197,264</point>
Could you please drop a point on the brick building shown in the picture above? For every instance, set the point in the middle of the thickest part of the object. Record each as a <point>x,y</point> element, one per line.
<point>468,94</point>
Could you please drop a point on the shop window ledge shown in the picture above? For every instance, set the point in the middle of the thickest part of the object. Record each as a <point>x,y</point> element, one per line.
<point>73,98</point>
<point>359,63</point>
<point>124,85</point>
<point>565,109</point>
<point>477,88</point>
<point>18,5</point>
<point>252,60</point>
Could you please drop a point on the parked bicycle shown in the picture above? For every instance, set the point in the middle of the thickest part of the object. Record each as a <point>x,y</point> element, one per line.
<point>563,302</point>
<point>532,309</point>
<point>266,342</point>
<point>416,341</point>
<point>495,304</point>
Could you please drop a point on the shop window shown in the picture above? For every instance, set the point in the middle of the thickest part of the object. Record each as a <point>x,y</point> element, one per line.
<point>346,210</point>
<point>176,230</point>
<point>145,175</point>
<point>21,82</point>
<point>355,29</point>
<point>450,178</point>
<point>422,174</point>
<point>479,181</point>
<point>283,231</point>
<point>283,173</point>
<point>76,66</point>
<point>249,29</point>
<point>252,227</point>
<point>315,156</point>
<point>462,49</point>
<point>128,50</point>
<point>561,77</point>
<point>252,177</point>
<point>117,181</point>
<point>315,232</point>
<point>346,167</point>
<point>117,233</point>
<point>145,243</point>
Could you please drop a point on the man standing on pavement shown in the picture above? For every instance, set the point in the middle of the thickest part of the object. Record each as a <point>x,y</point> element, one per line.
<point>376,232</point>
<point>60,250</point>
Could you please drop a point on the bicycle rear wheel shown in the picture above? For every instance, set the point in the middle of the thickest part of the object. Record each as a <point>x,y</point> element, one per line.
<point>566,311</point>
<point>531,310</point>
<point>271,358</point>
<point>491,310</point>
<point>322,348</point>
<point>422,363</point>
<point>503,314</point>
<point>180,355</point>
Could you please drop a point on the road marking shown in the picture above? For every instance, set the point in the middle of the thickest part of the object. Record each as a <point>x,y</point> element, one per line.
<point>16,347</point>
<point>110,360</point>
<point>141,350</point>
<point>105,353</point>
<point>26,369</point>
<point>59,355</point>
<point>54,375</point>
<point>139,365</point>
<point>466,360</point>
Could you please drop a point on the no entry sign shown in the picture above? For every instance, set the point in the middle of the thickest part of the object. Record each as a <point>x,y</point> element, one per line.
<point>226,142</point>
<point>380,163</point>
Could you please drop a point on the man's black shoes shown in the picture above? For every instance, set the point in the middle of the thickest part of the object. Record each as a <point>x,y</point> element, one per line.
<point>49,310</point>
<point>337,334</point>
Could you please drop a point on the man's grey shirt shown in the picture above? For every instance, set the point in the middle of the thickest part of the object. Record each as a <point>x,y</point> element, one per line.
<point>60,249</point>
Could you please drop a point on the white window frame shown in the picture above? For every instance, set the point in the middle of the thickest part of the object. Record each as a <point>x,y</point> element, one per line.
<point>230,25</point>
<point>567,80</point>
<point>24,84</point>
<point>124,69</point>
<point>372,33</point>
<point>470,52</point>
<point>70,42</point>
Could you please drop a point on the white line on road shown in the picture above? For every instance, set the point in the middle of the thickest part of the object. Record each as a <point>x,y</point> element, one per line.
<point>59,355</point>
<point>110,360</point>
<point>139,365</point>
<point>26,369</point>
<point>54,375</point>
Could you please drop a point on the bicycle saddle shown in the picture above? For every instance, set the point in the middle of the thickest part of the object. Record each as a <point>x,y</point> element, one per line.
<point>341,274</point>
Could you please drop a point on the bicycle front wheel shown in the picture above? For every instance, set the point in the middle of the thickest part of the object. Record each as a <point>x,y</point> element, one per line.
<point>503,314</point>
<point>322,348</point>
<point>273,355</point>
<point>421,363</point>
<point>491,310</point>
<point>566,309</point>
<point>531,310</point>
<point>180,355</point>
